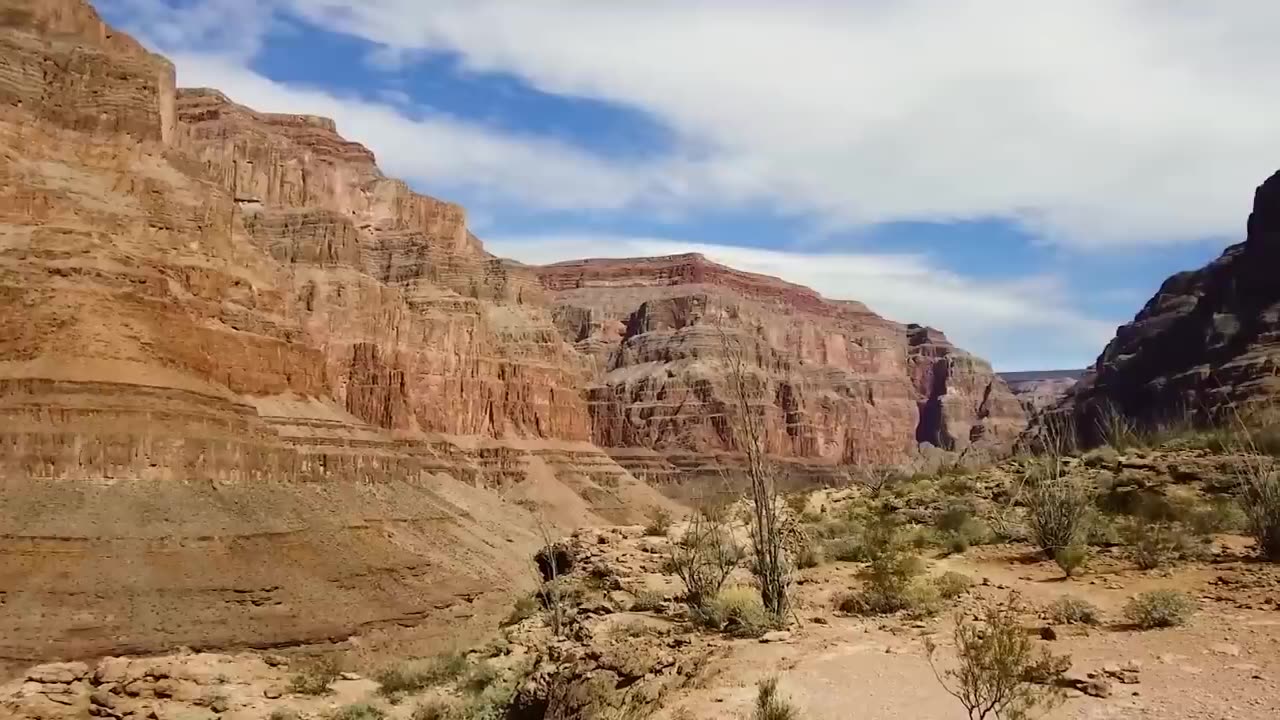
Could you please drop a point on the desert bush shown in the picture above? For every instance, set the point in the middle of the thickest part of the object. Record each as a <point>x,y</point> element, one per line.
<point>417,675</point>
<point>848,549</point>
<point>809,555</point>
<point>1159,609</point>
<point>1058,511</point>
<point>316,678</point>
<point>703,558</point>
<point>1116,429</point>
<point>648,601</point>
<point>798,502</point>
<point>480,677</point>
<point>1260,497</point>
<point>1070,610</point>
<point>660,524</point>
<point>893,577</point>
<point>952,584</point>
<point>1071,559</point>
<point>435,709</point>
<point>998,674</point>
<point>1156,544</point>
<point>770,705</point>
<point>283,714</point>
<point>738,610</point>
<point>960,529</point>
<point>356,711</point>
<point>1219,514</point>
<point>526,606</point>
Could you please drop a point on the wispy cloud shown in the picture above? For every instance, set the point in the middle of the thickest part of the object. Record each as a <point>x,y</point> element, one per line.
<point>1022,323</point>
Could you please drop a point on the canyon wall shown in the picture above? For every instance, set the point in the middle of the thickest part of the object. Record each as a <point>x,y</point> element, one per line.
<point>1205,348</point>
<point>252,392</point>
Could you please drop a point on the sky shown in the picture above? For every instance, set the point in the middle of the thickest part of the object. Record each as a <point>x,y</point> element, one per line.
<point>1021,175</point>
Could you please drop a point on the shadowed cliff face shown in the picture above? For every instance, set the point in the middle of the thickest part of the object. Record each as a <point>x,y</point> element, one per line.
<point>1205,346</point>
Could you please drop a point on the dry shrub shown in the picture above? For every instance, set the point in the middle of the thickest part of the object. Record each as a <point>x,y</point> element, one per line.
<point>648,601</point>
<point>435,709</point>
<point>1156,544</point>
<point>1159,609</point>
<point>1260,496</point>
<point>660,524</point>
<point>999,675</point>
<point>526,606</point>
<point>316,678</point>
<point>737,610</point>
<point>703,558</point>
<point>809,555</point>
<point>770,705</point>
<point>1059,508</point>
<point>356,711</point>
<point>418,675</point>
<point>952,584</point>
<point>1070,610</point>
<point>961,529</point>
<point>894,580</point>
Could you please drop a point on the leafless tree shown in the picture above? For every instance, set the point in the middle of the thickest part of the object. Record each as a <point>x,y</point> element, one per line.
<point>770,566</point>
<point>546,569</point>
<point>704,556</point>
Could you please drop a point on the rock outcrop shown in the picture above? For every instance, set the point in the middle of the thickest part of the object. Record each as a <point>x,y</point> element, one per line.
<point>1205,348</point>
<point>1039,389</point>
<point>834,382</point>
<point>252,392</point>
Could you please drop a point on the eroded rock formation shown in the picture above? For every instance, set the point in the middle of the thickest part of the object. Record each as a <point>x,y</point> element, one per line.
<point>834,381</point>
<point>1205,348</point>
<point>252,392</point>
<point>1039,389</point>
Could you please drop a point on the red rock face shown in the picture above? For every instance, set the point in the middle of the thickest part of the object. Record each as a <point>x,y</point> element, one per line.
<point>1206,346</point>
<point>835,382</point>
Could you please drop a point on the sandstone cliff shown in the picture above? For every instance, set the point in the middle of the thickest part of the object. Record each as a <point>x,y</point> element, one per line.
<point>835,382</point>
<point>1206,346</point>
<point>252,392</point>
<point>1039,389</point>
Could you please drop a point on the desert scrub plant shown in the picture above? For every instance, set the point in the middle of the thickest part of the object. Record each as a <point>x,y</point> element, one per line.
<point>952,584</point>
<point>1059,507</point>
<point>703,558</point>
<point>1156,544</point>
<point>846,549</point>
<point>356,711</point>
<point>648,601</point>
<point>1159,609</point>
<point>960,529</point>
<point>418,675</point>
<point>999,675</point>
<point>770,705</point>
<point>809,555</point>
<point>283,714</point>
<point>435,709</point>
<point>893,577</point>
<point>525,607</point>
<point>316,678</point>
<point>1260,497</point>
<point>737,610</point>
<point>660,524</point>
<point>1071,610</point>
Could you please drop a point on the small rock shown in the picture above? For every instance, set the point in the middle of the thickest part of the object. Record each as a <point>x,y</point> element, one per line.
<point>775,636</point>
<point>112,670</point>
<point>272,693</point>
<point>820,621</point>
<point>103,698</point>
<point>1097,688</point>
<point>1048,633</point>
<point>220,705</point>
<point>1225,649</point>
<point>67,672</point>
<point>349,676</point>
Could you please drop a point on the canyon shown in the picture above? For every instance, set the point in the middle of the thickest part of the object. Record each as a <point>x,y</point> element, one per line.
<point>256,393</point>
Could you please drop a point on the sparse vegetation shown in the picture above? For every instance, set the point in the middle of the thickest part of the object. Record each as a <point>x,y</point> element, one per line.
<point>648,601</point>
<point>435,709</point>
<point>1159,609</point>
<point>770,705</point>
<point>356,711</point>
<point>1070,610</point>
<point>952,584</point>
<point>737,609</point>
<point>526,606</point>
<point>418,675</point>
<point>894,580</point>
<point>660,524</point>
<point>809,555</point>
<point>1260,496</point>
<point>703,558</point>
<point>999,676</point>
<point>961,529</point>
<point>1058,507</point>
<point>283,714</point>
<point>316,678</point>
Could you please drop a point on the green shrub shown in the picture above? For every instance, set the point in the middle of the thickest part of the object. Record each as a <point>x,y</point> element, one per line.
<point>952,584</point>
<point>770,705</point>
<point>1260,497</point>
<point>849,549</point>
<point>893,578</point>
<point>1159,609</point>
<point>1070,610</point>
<point>316,678</point>
<point>736,609</point>
<point>356,711</point>
<point>660,524</point>
<point>1218,515</point>
<point>999,674</point>
<point>419,675</point>
<point>480,677</point>
<point>1059,508</point>
<point>1156,544</point>
<point>1071,559</point>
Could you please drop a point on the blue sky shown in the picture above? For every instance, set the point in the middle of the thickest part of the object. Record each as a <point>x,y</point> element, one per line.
<point>1019,175</point>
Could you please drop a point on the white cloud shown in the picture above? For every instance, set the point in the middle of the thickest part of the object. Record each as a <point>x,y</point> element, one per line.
<point>1027,323</point>
<point>1093,122</point>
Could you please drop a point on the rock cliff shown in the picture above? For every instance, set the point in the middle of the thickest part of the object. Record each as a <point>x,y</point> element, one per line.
<point>1205,347</point>
<point>252,392</point>
<point>835,382</point>
<point>1039,389</point>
